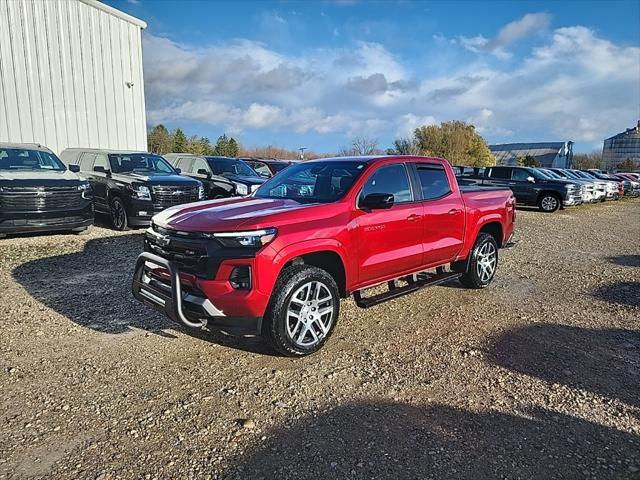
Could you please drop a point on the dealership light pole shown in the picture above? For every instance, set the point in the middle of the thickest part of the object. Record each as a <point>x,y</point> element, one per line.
<point>302,149</point>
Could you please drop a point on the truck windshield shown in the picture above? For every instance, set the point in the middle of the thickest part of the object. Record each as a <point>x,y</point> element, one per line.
<point>140,163</point>
<point>313,182</point>
<point>231,166</point>
<point>24,159</point>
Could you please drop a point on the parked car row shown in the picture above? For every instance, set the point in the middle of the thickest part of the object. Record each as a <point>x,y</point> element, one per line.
<point>551,189</point>
<point>41,192</point>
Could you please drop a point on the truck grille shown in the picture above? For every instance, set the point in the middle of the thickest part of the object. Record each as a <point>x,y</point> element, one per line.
<point>40,198</point>
<point>164,196</point>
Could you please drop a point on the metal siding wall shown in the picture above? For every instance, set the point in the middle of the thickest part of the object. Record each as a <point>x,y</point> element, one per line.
<point>63,72</point>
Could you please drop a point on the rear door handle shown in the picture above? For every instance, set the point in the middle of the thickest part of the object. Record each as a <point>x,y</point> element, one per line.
<point>454,211</point>
<point>413,217</point>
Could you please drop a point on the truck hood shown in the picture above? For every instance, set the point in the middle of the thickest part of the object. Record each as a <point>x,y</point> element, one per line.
<point>156,179</point>
<point>38,178</point>
<point>244,179</point>
<point>231,214</point>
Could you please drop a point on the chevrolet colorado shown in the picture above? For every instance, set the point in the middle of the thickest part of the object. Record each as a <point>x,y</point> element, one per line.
<point>277,263</point>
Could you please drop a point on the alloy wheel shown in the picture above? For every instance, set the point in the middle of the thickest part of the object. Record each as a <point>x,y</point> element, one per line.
<point>118,214</point>
<point>310,314</point>
<point>486,262</point>
<point>549,203</point>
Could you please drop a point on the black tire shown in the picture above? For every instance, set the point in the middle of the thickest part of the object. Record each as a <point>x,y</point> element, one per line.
<point>277,321</point>
<point>471,278</point>
<point>549,202</point>
<point>118,213</point>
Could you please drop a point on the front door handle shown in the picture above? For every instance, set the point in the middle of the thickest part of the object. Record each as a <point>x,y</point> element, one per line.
<point>413,217</point>
<point>454,211</point>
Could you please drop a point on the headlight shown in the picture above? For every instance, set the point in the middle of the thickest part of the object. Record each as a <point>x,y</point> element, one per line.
<point>241,188</point>
<point>201,192</point>
<point>85,188</point>
<point>141,192</point>
<point>254,238</point>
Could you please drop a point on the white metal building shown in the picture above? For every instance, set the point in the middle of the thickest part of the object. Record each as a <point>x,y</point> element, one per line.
<point>71,75</point>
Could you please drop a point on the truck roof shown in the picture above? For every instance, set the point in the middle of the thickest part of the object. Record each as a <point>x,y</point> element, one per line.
<point>104,150</point>
<point>29,146</point>
<point>374,158</point>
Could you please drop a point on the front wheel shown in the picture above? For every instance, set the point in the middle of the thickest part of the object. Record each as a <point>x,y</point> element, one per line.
<point>118,212</point>
<point>483,263</point>
<point>549,202</point>
<point>303,311</point>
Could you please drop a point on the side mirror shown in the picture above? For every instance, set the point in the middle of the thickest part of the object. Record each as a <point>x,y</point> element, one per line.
<point>531,180</point>
<point>178,170</point>
<point>377,201</point>
<point>205,172</point>
<point>74,168</point>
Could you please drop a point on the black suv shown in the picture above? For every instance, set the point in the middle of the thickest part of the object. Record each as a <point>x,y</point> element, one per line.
<point>244,178</point>
<point>38,193</point>
<point>131,187</point>
<point>196,166</point>
<point>529,186</point>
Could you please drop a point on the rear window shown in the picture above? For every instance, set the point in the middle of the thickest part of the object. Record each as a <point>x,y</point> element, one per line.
<point>25,159</point>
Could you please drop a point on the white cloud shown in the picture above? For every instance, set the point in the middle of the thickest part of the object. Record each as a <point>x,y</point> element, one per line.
<point>528,25</point>
<point>573,86</point>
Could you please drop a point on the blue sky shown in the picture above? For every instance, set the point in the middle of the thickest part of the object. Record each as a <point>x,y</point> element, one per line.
<point>317,74</point>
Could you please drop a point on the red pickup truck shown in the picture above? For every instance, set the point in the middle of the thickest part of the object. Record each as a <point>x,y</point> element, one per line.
<point>278,262</point>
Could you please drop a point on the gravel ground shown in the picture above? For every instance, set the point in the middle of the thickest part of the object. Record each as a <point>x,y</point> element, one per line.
<point>536,377</point>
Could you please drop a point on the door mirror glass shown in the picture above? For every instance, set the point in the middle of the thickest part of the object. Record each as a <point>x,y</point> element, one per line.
<point>101,169</point>
<point>74,168</point>
<point>377,201</point>
<point>530,179</point>
<point>205,172</point>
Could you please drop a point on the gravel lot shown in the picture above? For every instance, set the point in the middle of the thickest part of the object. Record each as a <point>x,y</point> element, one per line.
<point>537,376</point>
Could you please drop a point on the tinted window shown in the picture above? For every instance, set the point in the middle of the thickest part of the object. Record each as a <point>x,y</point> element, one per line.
<point>279,166</point>
<point>313,182</point>
<point>500,172</point>
<point>184,164</point>
<point>139,163</point>
<point>433,181</point>
<point>231,166</point>
<point>520,175</point>
<point>391,179</point>
<point>21,159</point>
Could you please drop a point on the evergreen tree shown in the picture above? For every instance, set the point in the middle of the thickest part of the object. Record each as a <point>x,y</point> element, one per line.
<point>179,141</point>
<point>159,140</point>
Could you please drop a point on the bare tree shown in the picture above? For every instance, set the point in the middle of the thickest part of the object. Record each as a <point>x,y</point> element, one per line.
<point>360,146</point>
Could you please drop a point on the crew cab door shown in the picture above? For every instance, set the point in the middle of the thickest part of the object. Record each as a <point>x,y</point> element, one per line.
<point>521,187</point>
<point>389,241</point>
<point>443,215</point>
<point>100,183</point>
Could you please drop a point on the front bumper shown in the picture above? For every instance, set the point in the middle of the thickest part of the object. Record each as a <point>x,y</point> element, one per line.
<point>54,220</point>
<point>572,200</point>
<point>158,282</point>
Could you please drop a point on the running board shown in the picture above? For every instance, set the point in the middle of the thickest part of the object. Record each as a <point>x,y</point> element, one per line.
<point>415,282</point>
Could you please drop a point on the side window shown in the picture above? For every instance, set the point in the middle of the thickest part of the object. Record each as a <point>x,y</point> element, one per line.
<point>391,179</point>
<point>101,161</point>
<point>86,162</point>
<point>500,172</point>
<point>433,181</point>
<point>200,164</point>
<point>184,164</point>
<point>520,175</point>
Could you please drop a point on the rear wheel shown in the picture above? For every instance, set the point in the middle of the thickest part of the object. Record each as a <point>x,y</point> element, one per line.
<point>549,202</point>
<point>119,218</point>
<point>483,263</point>
<point>303,312</point>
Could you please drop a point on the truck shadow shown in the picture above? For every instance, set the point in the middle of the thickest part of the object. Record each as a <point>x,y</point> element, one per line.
<point>400,441</point>
<point>621,293</point>
<point>602,361</point>
<point>626,260</point>
<point>92,288</point>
